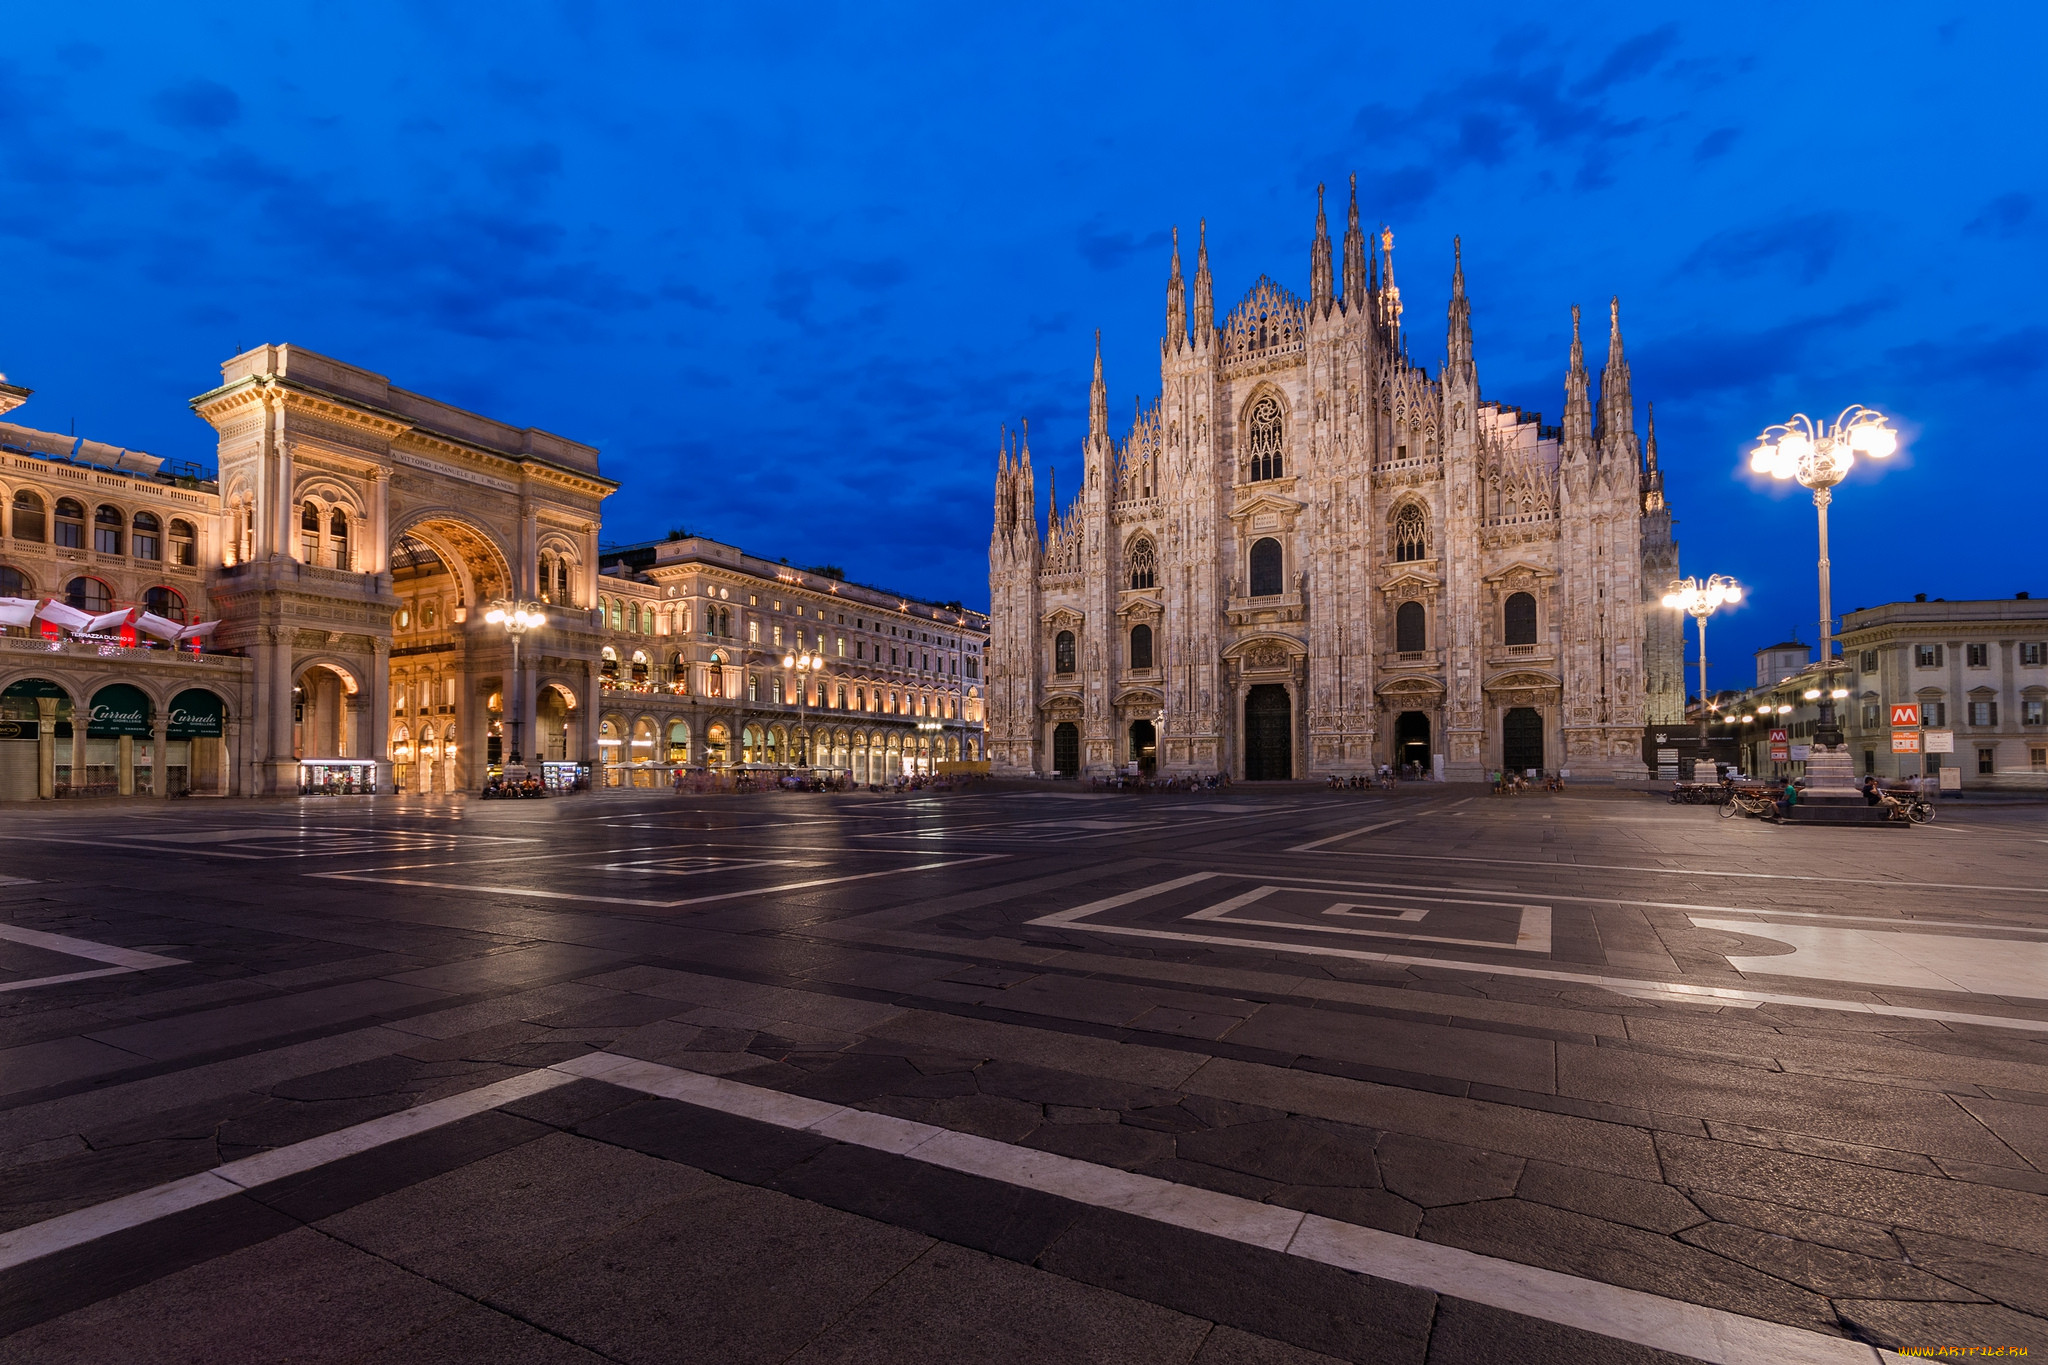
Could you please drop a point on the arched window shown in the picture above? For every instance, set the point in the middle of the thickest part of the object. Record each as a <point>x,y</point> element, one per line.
<point>148,541</point>
<point>639,666</point>
<point>89,594</point>
<point>618,614</point>
<point>1263,439</point>
<point>28,516</point>
<point>1411,633</point>
<point>1063,652</point>
<point>309,533</point>
<point>184,545</point>
<point>610,665</point>
<point>1519,616</point>
<point>13,583</point>
<point>337,531</point>
<point>1141,646</point>
<point>107,522</point>
<point>70,524</point>
<point>1143,571</point>
<point>165,602</point>
<point>1411,533</point>
<point>1268,579</point>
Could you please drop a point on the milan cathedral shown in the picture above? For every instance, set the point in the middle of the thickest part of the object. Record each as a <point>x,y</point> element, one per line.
<point>1308,557</point>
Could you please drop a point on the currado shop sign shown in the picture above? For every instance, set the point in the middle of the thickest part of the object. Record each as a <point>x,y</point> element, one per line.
<point>197,714</point>
<point>119,710</point>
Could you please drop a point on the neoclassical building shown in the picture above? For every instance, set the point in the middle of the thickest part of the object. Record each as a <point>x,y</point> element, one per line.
<point>349,551</point>
<point>695,669</point>
<point>1310,556</point>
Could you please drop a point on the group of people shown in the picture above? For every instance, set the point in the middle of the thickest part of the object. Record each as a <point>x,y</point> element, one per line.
<point>1383,778</point>
<point>1507,783</point>
<point>501,787</point>
<point>1145,782</point>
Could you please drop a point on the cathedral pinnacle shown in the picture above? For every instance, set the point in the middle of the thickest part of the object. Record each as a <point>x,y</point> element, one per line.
<point>1320,280</point>
<point>1458,348</point>
<point>1098,400</point>
<point>1617,406</point>
<point>1176,301</point>
<point>1390,293</point>
<point>1356,257</point>
<point>1205,301</point>
<point>1578,417</point>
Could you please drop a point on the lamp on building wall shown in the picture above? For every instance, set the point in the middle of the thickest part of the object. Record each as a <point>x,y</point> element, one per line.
<point>1699,600</point>
<point>1819,458</point>
<point>517,618</point>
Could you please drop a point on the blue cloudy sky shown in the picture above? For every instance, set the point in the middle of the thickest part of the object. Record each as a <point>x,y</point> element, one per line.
<point>791,267</point>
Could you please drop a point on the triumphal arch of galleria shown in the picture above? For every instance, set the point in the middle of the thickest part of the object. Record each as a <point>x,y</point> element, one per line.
<point>348,549</point>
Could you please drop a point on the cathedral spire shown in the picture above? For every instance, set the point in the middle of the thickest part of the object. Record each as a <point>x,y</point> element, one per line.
<point>1617,404</point>
<point>1205,302</point>
<point>1578,416</point>
<point>1356,266</point>
<point>1320,282</point>
<point>1458,366</point>
<point>1653,477</point>
<point>1390,293</point>
<point>1176,301</point>
<point>1098,401</point>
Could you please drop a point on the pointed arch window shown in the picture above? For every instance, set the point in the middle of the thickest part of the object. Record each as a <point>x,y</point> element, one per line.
<point>1411,533</point>
<point>1143,564</point>
<point>1265,434</point>
<point>1063,652</point>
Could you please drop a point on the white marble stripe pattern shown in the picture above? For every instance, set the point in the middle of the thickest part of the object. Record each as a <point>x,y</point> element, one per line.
<point>1708,1334</point>
<point>1640,988</point>
<point>122,959</point>
<point>222,1182</point>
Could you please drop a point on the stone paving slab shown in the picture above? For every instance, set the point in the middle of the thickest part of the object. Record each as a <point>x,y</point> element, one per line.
<point>1865,1176</point>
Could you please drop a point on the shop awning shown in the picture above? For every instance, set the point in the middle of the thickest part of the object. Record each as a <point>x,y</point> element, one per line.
<point>61,614</point>
<point>17,611</point>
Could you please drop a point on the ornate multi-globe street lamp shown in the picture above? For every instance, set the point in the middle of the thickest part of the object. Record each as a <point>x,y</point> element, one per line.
<point>517,618</point>
<point>804,665</point>
<point>1819,458</point>
<point>1699,600</point>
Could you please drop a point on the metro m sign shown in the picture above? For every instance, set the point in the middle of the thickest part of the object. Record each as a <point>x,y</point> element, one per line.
<point>1906,713</point>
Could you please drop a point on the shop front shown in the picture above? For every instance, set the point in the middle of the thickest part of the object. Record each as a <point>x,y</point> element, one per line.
<point>337,777</point>
<point>119,752</point>
<point>195,744</point>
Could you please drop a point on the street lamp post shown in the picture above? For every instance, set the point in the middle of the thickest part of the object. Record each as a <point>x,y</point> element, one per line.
<point>517,618</point>
<point>804,664</point>
<point>1819,458</point>
<point>1699,600</point>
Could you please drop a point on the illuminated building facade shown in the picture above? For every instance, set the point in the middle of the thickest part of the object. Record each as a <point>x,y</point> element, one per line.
<point>1308,556</point>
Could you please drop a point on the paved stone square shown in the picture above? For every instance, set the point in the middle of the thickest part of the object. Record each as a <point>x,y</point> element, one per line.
<point>1266,1075</point>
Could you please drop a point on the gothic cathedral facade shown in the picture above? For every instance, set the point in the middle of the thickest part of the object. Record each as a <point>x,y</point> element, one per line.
<point>1308,557</point>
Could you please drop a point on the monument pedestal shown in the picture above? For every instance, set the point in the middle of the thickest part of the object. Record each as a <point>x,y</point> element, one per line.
<point>1831,796</point>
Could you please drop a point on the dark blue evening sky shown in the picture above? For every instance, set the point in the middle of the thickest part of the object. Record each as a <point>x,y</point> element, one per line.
<point>791,267</point>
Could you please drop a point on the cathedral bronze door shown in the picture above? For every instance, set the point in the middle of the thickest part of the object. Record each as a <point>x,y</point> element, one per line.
<point>1268,734</point>
<point>1066,749</point>
<point>1521,739</point>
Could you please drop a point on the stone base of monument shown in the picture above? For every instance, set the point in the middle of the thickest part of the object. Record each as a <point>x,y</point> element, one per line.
<point>1831,796</point>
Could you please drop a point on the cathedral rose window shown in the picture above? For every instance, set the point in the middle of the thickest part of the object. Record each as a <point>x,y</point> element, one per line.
<point>1266,430</point>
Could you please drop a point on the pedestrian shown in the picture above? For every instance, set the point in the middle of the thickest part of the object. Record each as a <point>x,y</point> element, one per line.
<point>1790,798</point>
<point>1870,796</point>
